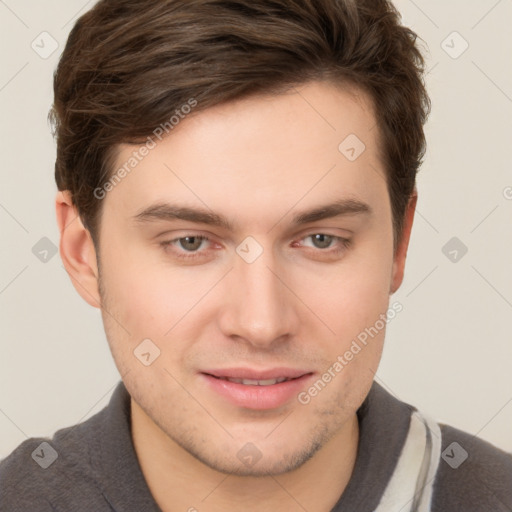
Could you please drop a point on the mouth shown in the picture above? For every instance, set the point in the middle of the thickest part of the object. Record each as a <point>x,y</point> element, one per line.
<point>254,389</point>
<point>256,382</point>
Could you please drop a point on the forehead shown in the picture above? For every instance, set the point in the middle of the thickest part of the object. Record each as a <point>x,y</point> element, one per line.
<point>260,156</point>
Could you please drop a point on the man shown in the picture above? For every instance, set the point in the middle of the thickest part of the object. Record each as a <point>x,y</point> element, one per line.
<point>236,194</point>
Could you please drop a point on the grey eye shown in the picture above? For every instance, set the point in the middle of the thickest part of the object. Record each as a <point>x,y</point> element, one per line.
<point>321,241</point>
<point>192,243</point>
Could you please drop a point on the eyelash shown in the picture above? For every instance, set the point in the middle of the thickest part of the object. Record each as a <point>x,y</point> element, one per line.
<point>344,242</point>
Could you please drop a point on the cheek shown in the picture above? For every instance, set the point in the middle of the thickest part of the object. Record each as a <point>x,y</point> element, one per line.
<point>353,297</point>
<point>144,304</point>
<point>153,300</point>
<point>150,307</point>
<point>353,304</point>
<point>137,284</point>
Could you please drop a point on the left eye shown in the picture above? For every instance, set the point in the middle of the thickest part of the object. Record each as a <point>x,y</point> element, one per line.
<point>321,241</point>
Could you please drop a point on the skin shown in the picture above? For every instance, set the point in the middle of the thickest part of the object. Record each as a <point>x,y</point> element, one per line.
<point>257,161</point>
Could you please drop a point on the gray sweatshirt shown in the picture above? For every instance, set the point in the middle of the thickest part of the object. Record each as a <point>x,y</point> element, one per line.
<point>405,462</point>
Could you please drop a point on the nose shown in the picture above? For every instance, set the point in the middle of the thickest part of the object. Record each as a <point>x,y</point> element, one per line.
<point>258,307</point>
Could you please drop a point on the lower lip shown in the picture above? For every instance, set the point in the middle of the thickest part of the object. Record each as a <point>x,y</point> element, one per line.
<point>258,397</point>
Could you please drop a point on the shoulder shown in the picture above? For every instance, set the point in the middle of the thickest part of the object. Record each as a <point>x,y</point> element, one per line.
<point>472,473</point>
<point>15,469</point>
<point>42,472</point>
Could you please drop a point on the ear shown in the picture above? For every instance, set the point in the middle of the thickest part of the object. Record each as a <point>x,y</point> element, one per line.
<point>401,250</point>
<point>77,250</point>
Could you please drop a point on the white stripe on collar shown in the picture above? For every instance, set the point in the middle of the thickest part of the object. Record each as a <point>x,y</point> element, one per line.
<point>410,486</point>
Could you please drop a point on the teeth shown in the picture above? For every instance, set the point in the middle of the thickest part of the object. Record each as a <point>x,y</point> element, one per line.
<point>253,382</point>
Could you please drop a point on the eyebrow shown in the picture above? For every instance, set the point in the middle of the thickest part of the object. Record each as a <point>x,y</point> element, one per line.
<point>169,212</point>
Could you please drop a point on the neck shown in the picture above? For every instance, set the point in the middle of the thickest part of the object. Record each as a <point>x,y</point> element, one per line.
<point>178,481</point>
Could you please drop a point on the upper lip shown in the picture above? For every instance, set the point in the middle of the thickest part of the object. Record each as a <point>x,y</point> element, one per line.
<point>255,374</point>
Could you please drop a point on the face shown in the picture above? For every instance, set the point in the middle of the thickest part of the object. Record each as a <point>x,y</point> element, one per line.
<point>247,248</point>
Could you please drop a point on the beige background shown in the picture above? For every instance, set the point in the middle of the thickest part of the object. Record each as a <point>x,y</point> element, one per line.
<point>449,352</point>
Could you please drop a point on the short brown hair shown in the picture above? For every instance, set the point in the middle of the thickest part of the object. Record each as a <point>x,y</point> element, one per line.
<point>129,64</point>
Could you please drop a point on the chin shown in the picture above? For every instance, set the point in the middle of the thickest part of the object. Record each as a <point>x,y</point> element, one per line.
<point>250,461</point>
